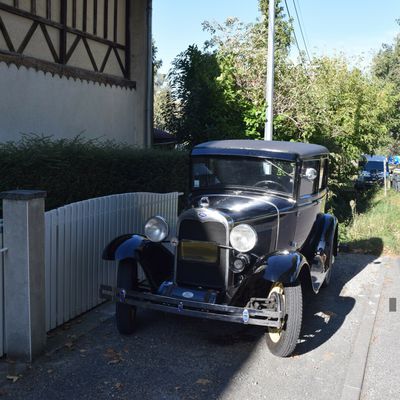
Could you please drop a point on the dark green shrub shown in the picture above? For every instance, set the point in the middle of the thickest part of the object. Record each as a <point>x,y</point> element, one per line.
<point>77,169</point>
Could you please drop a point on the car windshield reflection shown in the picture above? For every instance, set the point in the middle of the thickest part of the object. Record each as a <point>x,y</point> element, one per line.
<point>257,173</point>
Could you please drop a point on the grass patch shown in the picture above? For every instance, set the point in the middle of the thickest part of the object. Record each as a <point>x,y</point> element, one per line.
<point>378,229</point>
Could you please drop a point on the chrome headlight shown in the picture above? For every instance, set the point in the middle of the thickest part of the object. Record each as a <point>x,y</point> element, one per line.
<point>156,229</point>
<point>243,238</point>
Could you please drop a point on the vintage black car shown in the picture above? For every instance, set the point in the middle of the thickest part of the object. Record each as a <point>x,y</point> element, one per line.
<point>253,231</point>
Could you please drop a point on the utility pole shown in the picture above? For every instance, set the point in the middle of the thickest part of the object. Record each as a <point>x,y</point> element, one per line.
<point>269,91</point>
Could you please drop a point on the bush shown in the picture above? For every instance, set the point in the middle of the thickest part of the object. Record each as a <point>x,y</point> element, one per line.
<point>77,169</point>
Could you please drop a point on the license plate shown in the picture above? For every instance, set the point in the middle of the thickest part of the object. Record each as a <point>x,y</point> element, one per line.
<point>191,250</point>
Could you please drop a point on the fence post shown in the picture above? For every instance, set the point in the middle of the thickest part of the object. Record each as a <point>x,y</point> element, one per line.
<point>24,273</point>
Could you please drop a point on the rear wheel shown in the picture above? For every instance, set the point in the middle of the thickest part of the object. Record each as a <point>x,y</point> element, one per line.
<point>330,259</point>
<point>327,279</point>
<point>282,341</point>
<point>126,314</point>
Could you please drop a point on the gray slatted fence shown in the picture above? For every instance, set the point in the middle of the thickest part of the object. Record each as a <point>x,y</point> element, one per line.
<point>75,237</point>
<point>1,292</point>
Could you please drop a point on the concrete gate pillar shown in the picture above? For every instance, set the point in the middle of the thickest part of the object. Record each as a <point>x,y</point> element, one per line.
<point>24,273</point>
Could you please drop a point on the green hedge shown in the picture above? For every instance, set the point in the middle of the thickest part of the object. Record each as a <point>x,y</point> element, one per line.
<point>77,169</point>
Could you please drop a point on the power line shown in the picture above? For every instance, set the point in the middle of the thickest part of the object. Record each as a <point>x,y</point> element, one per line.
<point>302,21</point>
<point>301,30</point>
<point>294,33</point>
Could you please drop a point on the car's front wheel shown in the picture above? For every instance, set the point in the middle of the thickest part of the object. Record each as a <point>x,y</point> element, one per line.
<point>282,341</point>
<point>125,314</point>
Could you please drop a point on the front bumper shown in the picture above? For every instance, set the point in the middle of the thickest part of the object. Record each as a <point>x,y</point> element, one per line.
<point>270,317</point>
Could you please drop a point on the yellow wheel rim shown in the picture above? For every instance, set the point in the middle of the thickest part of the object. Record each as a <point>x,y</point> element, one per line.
<point>275,333</point>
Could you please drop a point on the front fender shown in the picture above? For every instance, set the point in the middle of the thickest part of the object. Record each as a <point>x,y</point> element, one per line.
<point>125,246</point>
<point>156,261</point>
<point>323,235</point>
<point>329,234</point>
<point>283,267</point>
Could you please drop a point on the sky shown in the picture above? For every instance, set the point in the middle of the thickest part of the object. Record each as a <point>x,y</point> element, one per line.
<point>355,27</point>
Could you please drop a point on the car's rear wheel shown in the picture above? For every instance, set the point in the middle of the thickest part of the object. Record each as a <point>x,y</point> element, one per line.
<point>328,277</point>
<point>330,259</point>
<point>282,341</point>
<point>126,314</point>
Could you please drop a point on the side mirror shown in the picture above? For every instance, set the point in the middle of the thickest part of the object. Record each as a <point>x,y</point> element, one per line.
<point>310,174</point>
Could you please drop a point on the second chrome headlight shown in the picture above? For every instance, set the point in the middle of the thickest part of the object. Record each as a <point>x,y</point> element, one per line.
<point>243,238</point>
<point>156,229</point>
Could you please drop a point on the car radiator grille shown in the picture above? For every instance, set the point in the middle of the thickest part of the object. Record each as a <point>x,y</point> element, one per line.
<point>199,273</point>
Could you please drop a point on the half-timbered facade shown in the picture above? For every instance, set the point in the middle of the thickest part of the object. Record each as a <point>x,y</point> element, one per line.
<point>70,67</point>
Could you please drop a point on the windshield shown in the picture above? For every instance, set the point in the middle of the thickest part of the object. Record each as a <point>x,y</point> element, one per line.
<point>239,172</point>
<point>372,166</point>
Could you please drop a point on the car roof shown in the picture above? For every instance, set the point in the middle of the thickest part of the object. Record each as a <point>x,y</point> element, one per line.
<point>374,158</point>
<point>260,148</point>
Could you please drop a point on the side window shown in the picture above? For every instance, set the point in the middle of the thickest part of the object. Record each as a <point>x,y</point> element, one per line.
<point>310,177</point>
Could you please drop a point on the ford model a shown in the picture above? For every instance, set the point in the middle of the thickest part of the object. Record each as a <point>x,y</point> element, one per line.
<point>253,228</point>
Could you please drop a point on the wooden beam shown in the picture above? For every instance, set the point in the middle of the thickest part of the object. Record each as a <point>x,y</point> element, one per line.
<point>64,70</point>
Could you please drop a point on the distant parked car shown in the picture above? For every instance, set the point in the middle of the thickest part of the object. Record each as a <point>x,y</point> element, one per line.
<point>254,223</point>
<point>372,171</point>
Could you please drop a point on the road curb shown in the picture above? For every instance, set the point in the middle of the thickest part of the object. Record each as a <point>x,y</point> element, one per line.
<point>358,361</point>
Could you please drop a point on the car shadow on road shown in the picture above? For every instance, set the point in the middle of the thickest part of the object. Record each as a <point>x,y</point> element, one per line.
<point>325,312</point>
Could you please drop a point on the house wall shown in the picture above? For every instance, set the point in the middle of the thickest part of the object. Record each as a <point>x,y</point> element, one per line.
<point>36,102</point>
<point>73,97</point>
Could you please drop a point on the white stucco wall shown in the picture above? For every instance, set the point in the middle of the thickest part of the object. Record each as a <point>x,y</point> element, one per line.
<point>34,102</point>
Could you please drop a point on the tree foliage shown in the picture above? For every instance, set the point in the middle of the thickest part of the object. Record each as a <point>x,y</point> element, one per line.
<point>386,64</point>
<point>386,67</point>
<point>332,104</point>
<point>203,110</point>
<point>241,51</point>
<point>219,92</point>
<point>164,109</point>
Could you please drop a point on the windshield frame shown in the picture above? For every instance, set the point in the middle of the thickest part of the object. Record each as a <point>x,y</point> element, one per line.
<point>271,160</point>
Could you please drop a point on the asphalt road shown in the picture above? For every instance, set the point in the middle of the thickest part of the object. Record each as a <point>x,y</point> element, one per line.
<point>171,357</point>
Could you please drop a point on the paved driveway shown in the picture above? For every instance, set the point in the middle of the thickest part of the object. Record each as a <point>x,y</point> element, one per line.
<point>170,357</point>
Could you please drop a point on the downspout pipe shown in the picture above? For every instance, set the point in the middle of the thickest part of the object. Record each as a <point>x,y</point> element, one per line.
<point>149,78</point>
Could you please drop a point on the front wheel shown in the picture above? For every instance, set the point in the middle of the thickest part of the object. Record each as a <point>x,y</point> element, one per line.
<point>125,314</point>
<point>282,341</point>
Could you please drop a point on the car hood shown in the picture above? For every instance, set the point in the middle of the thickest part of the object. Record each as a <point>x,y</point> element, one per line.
<point>244,206</point>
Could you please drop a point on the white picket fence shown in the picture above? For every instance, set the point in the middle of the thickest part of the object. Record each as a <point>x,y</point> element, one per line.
<point>76,235</point>
<point>1,291</point>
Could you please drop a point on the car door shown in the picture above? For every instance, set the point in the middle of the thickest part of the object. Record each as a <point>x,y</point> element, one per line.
<point>311,196</point>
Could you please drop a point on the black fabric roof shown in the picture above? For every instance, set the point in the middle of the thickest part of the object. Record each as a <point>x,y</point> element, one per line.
<point>271,148</point>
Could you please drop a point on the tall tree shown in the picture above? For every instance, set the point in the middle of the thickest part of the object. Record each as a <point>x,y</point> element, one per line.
<point>242,53</point>
<point>386,66</point>
<point>203,111</point>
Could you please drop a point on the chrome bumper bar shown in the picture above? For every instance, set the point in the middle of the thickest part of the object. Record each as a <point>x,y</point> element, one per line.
<point>265,317</point>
